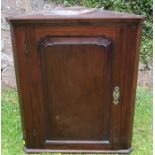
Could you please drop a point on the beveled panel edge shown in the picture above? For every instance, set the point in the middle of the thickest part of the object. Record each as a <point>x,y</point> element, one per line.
<point>98,40</point>
<point>77,142</point>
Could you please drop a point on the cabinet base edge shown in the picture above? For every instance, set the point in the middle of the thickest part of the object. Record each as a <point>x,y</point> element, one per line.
<point>27,150</point>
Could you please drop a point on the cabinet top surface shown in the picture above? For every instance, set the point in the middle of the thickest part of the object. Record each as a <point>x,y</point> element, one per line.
<point>75,14</point>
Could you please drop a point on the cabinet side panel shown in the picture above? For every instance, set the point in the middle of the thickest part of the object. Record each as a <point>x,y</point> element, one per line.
<point>130,81</point>
<point>19,41</point>
<point>36,88</point>
<point>117,70</point>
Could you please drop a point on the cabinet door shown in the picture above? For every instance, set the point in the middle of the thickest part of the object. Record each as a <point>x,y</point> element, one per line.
<point>77,90</point>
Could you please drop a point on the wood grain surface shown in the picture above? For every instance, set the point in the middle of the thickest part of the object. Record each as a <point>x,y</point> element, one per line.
<point>67,67</point>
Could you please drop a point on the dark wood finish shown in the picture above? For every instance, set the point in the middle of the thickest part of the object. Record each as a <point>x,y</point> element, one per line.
<point>75,78</point>
<point>66,75</point>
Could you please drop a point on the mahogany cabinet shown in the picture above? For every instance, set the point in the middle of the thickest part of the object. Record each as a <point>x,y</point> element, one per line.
<point>76,72</point>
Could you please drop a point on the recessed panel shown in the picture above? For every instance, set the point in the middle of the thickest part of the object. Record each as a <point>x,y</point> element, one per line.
<point>77,92</point>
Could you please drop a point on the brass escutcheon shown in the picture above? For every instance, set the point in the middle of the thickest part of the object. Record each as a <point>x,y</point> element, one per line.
<point>116,95</point>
